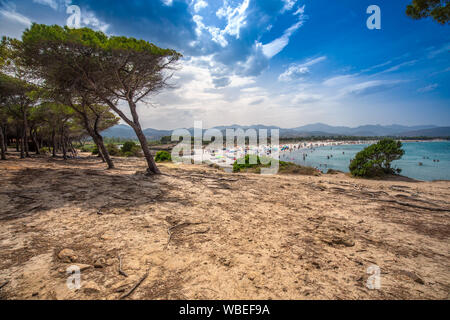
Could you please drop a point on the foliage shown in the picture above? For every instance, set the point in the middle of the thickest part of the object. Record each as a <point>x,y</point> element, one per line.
<point>376,159</point>
<point>163,156</point>
<point>87,148</point>
<point>103,68</point>
<point>128,146</point>
<point>130,149</point>
<point>284,167</point>
<point>166,140</point>
<point>113,149</point>
<point>439,10</point>
<point>44,150</point>
<point>95,151</point>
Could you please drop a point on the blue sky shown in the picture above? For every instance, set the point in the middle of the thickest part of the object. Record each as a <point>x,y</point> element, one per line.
<point>277,62</point>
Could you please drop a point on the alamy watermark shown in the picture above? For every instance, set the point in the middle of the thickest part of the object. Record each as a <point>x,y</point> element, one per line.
<point>74,20</point>
<point>374,280</point>
<point>374,21</point>
<point>74,280</point>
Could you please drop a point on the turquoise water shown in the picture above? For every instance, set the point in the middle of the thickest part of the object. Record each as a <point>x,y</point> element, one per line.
<point>415,152</point>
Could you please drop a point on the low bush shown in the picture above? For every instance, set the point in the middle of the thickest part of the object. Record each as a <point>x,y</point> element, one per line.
<point>163,156</point>
<point>45,150</point>
<point>113,150</point>
<point>376,160</point>
<point>284,167</point>
<point>131,149</point>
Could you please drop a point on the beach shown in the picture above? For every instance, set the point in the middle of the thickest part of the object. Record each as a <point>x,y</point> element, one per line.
<point>196,232</point>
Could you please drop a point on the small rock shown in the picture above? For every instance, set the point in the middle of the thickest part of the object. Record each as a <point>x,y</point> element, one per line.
<point>67,255</point>
<point>413,276</point>
<point>83,267</point>
<point>90,287</point>
<point>110,262</point>
<point>99,263</point>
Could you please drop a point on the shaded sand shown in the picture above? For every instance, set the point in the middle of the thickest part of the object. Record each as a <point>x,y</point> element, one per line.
<point>232,236</point>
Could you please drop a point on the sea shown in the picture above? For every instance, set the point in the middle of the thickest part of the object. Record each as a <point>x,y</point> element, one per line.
<point>426,161</point>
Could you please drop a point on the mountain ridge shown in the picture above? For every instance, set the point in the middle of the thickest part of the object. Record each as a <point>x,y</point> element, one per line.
<point>316,129</point>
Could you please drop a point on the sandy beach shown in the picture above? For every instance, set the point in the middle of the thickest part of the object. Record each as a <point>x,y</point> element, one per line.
<point>196,232</point>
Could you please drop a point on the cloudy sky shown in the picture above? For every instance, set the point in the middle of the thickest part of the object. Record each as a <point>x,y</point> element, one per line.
<point>275,62</point>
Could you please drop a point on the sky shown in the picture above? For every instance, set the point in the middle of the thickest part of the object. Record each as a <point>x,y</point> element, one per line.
<point>275,62</point>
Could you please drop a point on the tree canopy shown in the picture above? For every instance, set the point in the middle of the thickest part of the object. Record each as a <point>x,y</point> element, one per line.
<point>439,10</point>
<point>376,159</point>
<point>106,68</point>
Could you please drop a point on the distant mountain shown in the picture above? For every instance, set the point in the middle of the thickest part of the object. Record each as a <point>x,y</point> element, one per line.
<point>367,130</point>
<point>126,132</point>
<point>120,131</point>
<point>317,129</point>
<point>442,132</point>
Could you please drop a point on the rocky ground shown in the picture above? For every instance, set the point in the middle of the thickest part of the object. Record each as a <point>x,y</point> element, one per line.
<point>200,233</point>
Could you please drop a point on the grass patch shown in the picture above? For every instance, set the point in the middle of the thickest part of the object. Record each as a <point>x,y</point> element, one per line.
<point>284,167</point>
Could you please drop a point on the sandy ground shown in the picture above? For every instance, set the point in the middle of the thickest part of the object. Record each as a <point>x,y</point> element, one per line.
<point>200,233</point>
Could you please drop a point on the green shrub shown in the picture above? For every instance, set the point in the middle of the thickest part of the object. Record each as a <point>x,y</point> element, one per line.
<point>44,150</point>
<point>87,148</point>
<point>113,150</point>
<point>128,147</point>
<point>95,151</point>
<point>237,166</point>
<point>131,149</point>
<point>163,156</point>
<point>284,167</point>
<point>376,159</point>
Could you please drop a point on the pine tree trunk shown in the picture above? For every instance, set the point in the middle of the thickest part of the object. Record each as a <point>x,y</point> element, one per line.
<point>5,137</point>
<point>2,145</point>
<point>152,168</point>
<point>53,144</point>
<point>22,147</point>
<point>17,138</point>
<point>35,141</point>
<point>25,132</point>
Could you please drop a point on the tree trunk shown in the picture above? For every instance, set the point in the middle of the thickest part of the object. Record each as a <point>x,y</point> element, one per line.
<point>53,144</point>
<point>63,143</point>
<point>25,132</point>
<point>17,138</point>
<point>2,145</point>
<point>5,137</point>
<point>101,144</point>
<point>152,168</point>
<point>98,139</point>
<point>22,147</point>
<point>35,141</point>
<point>104,152</point>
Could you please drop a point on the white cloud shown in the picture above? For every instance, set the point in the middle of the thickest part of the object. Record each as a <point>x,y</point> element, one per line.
<point>369,87</point>
<point>235,17</point>
<point>8,11</point>
<point>217,35</point>
<point>199,5</point>
<point>293,72</point>
<point>51,3</point>
<point>167,2</point>
<point>296,71</point>
<point>399,66</point>
<point>377,66</point>
<point>288,5</point>
<point>339,80</point>
<point>89,19</point>
<point>428,88</point>
<point>276,46</point>
<point>446,48</point>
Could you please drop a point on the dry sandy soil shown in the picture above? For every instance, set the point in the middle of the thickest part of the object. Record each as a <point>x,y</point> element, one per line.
<point>200,233</point>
